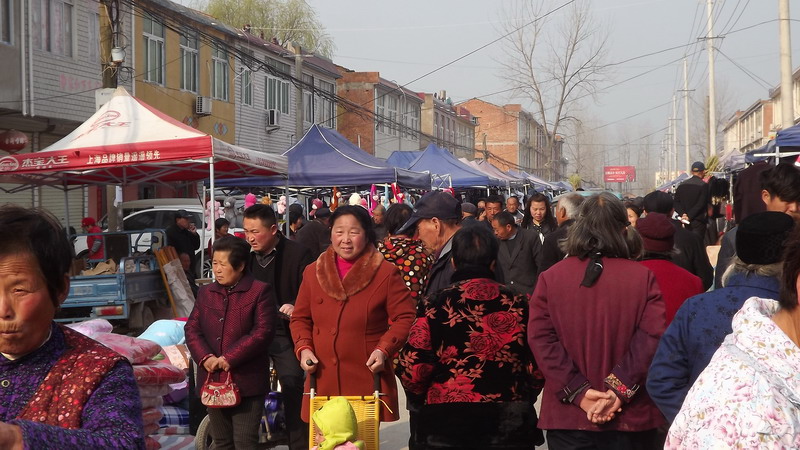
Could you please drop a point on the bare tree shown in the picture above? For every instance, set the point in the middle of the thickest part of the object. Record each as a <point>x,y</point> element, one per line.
<point>554,60</point>
<point>284,20</point>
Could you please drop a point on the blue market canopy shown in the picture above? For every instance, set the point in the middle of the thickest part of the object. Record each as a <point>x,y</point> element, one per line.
<point>324,158</point>
<point>788,137</point>
<point>449,169</point>
<point>668,185</point>
<point>402,158</point>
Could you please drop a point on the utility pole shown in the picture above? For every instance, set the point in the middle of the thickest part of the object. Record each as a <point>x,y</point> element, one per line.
<point>109,25</point>
<point>298,101</point>
<point>712,112</point>
<point>787,97</point>
<point>675,133</point>
<point>686,115</point>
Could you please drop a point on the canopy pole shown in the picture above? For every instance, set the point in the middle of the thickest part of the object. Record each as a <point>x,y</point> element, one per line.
<point>286,211</point>
<point>203,230</point>
<point>66,205</point>
<point>213,206</point>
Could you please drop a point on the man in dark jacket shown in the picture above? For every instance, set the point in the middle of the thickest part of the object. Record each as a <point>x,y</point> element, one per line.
<point>519,248</point>
<point>692,254</point>
<point>183,236</point>
<point>566,212</point>
<point>780,191</point>
<point>316,235</point>
<point>280,262</point>
<point>692,200</point>
<point>437,217</point>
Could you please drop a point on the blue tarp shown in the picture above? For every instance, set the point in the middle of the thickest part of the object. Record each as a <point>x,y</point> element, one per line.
<point>324,158</point>
<point>402,158</point>
<point>668,185</point>
<point>439,161</point>
<point>788,137</point>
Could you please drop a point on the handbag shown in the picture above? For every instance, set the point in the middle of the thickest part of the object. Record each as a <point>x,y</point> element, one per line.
<point>216,394</point>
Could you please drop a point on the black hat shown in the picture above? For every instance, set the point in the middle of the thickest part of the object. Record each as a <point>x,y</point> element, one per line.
<point>657,202</point>
<point>698,166</point>
<point>760,237</point>
<point>437,204</point>
<point>469,208</point>
<point>182,214</point>
<point>657,232</point>
<point>321,213</point>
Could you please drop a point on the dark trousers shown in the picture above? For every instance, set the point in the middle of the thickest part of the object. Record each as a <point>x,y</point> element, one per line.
<point>602,440</point>
<point>237,427</point>
<point>698,227</point>
<point>290,376</point>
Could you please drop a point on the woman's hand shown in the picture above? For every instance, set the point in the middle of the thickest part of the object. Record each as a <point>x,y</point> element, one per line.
<point>376,361</point>
<point>223,364</point>
<point>306,356</point>
<point>211,363</point>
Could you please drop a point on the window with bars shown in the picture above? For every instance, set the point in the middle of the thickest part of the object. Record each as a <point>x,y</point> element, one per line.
<point>391,113</point>
<point>153,35</point>
<point>277,94</point>
<point>55,20</point>
<point>220,75</point>
<point>189,61</point>
<point>327,108</point>
<point>380,111</point>
<point>412,112</point>
<point>309,112</point>
<point>6,21</point>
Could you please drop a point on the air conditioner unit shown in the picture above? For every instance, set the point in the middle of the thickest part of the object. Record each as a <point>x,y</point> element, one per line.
<point>273,118</point>
<point>474,120</point>
<point>203,106</point>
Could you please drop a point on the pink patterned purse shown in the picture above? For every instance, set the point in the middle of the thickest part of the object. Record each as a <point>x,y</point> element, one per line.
<point>215,394</point>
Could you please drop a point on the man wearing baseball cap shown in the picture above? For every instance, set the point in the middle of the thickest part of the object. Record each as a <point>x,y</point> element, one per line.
<point>437,217</point>
<point>692,199</point>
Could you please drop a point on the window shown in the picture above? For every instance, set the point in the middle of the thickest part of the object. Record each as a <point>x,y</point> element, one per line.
<point>327,108</point>
<point>391,111</point>
<point>153,51</point>
<point>5,21</point>
<point>189,61</point>
<point>54,18</point>
<point>380,111</point>
<point>247,87</point>
<point>412,111</point>
<point>94,38</point>
<point>309,115</point>
<point>280,66</point>
<point>219,83</point>
<point>277,95</point>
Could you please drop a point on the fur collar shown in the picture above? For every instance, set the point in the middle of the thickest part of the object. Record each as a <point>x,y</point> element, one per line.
<point>358,278</point>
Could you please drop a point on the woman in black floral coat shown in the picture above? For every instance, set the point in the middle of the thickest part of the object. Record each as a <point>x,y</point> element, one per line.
<point>468,361</point>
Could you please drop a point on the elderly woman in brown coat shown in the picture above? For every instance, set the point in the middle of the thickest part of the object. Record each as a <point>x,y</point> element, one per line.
<point>340,322</point>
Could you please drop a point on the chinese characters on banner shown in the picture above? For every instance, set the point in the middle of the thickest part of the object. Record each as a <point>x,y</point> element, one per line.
<point>619,174</point>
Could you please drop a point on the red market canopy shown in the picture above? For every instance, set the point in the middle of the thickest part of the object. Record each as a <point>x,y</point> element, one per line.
<point>127,141</point>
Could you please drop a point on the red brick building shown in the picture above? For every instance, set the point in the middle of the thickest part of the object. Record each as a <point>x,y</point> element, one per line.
<point>510,138</point>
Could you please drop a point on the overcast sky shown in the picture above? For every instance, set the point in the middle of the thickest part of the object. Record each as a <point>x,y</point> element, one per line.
<point>405,40</point>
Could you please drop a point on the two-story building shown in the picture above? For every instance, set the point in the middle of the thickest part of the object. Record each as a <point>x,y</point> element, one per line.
<point>511,139</point>
<point>52,67</point>
<point>269,80</point>
<point>448,126</point>
<point>751,128</point>
<point>376,114</point>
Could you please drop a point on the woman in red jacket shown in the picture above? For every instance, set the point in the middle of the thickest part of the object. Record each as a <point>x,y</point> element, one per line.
<point>595,321</point>
<point>229,330</point>
<point>341,317</point>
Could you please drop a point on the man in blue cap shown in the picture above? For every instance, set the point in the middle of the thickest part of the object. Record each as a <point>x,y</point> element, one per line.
<point>692,199</point>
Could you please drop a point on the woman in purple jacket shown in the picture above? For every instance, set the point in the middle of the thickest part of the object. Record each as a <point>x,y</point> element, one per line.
<point>229,330</point>
<point>595,321</point>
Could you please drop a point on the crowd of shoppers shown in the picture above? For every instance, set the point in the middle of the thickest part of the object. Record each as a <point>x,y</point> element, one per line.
<point>609,313</point>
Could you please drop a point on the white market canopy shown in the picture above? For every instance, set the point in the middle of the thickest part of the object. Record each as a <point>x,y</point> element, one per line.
<point>127,141</point>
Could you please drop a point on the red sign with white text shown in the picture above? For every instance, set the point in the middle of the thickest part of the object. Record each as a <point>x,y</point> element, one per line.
<point>619,174</point>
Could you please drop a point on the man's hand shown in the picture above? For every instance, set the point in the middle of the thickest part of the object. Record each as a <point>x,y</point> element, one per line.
<point>10,437</point>
<point>287,309</point>
<point>376,361</point>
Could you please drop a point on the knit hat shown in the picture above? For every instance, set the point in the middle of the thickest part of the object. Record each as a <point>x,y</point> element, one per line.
<point>337,422</point>
<point>87,222</point>
<point>657,232</point>
<point>760,237</point>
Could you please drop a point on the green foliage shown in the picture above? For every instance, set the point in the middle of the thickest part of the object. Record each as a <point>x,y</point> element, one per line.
<point>286,20</point>
<point>575,180</point>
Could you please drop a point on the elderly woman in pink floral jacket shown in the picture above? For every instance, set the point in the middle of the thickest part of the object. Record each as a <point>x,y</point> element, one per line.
<point>467,359</point>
